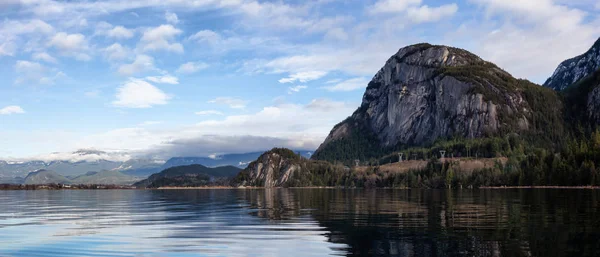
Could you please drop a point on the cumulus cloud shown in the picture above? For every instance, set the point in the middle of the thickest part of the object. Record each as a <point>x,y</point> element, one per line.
<point>392,6</point>
<point>221,43</point>
<point>191,67</point>
<point>137,93</point>
<point>116,52</point>
<point>527,32</point>
<point>296,89</point>
<point>166,79</point>
<point>43,56</point>
<point>232,102</point>
<point>303,76</point>
<point>116,32</point>
<point>74,45</point>
<point>142,63</point>
<point>12,32</point>
<point>35,73</point>
<point>161,38</point>
<point>348,85</point>
<point>171,17</point>
<point>413,10</point>
<point>87,155</point>
<point>12,109</point>
<point>297,126</point>
<point>429,14</point>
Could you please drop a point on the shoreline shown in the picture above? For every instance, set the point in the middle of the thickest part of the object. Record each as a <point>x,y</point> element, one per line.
<point>542,187</point>
<point>113,187</point>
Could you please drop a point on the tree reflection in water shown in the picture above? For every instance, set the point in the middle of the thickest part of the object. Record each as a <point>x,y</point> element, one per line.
<point>524,222</point>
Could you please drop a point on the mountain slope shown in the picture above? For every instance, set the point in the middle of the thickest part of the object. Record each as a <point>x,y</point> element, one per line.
<point>190,175</point>
<point>572,70</point>
<point>108,177</point>
<point>426,93</point>
<point>45,177</point>
<point>281,167</point>
<point>582,101</point>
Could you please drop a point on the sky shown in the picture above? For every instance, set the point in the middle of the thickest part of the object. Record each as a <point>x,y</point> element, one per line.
<point>163,78</point>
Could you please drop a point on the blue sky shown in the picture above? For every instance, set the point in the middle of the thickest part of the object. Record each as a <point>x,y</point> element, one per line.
<point>174,77</point>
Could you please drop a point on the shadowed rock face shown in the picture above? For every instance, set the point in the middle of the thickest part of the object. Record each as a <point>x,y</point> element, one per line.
<point>426,92</point>
<point>572,70</point>
<point>270,170</point>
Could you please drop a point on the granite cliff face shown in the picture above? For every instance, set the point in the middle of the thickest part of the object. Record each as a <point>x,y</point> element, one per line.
<point>573,70</point>
<point>272,169</point>
<point>426,92</point>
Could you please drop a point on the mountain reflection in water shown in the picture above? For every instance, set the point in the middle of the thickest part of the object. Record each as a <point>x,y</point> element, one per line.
<point>300,222</point>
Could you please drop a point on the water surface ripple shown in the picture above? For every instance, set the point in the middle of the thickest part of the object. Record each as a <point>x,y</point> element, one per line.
<point>300,222</point>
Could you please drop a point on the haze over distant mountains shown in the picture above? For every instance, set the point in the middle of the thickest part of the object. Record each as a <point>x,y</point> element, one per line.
<point>93,161</point>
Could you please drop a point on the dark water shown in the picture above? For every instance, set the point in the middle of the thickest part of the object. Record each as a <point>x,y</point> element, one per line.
<point>300,222</point>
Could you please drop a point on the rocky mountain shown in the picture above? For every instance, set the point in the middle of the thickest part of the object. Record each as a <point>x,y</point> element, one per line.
<point>575,69</point>
<point>45,177</point>
<point>187,176</point>
<point>107,177</point>
<point>427,92</point>
<point>272,169</point>
<point>91,178</point>
<point>281,167</point>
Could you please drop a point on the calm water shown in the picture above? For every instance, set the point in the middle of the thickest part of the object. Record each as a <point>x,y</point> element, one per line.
<point>300,222</point>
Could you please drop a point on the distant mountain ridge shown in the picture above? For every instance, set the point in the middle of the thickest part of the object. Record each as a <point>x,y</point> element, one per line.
<point>15,172</point>
<point>187,176</point>
<point>41,177</point>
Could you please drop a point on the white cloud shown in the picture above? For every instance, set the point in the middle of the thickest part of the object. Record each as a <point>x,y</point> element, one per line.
<point>27,67</point>
<point>296,89</point>
<point>68,42</point>
<point>12,109</point>
<point>12,32</point>
<point>142,63</point>
<point>349,85</point>
<point>191,67</point>
<point>325,105</point>
<point>527,32</point>
<point>166,79</point>
<point>232,102</point>
<point>161,38</point>
<point>221,43</point>
<point>119,32</point>
<point>137,93</point>
<point>303,76</point>
<point>209,112</point>
<point>8,48</point>
<point>207,36</point>
<point>35,73</point>
<point>171,17</point>
<point>43,56</point>
<point>116,52</point>
<point>393,6</point>
<point>413,10</point>
<point>431,14</point>
<point>28,27</point>
<point>74,45</point>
